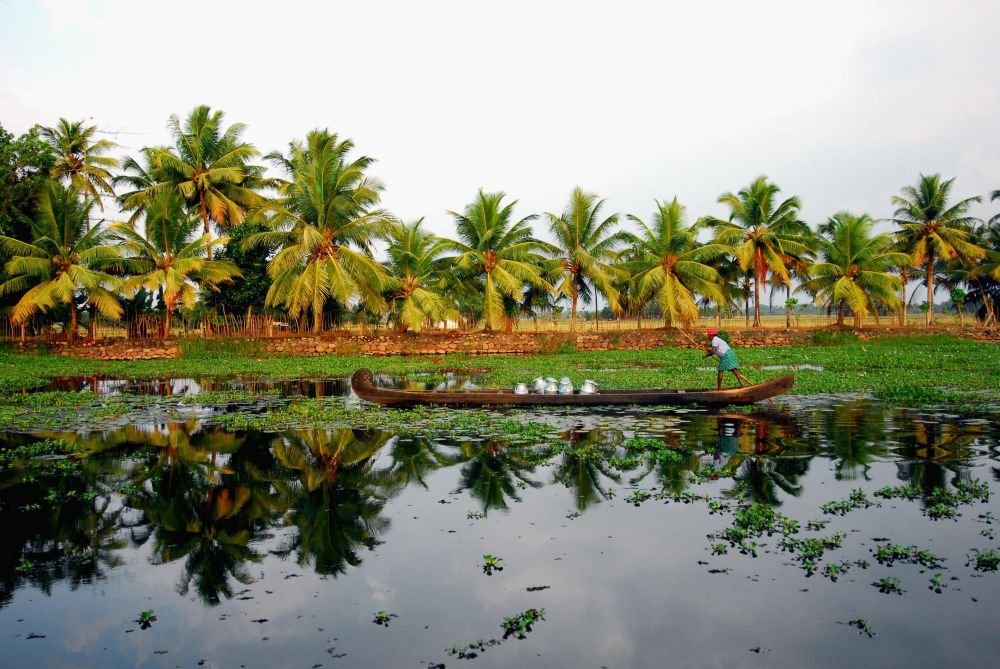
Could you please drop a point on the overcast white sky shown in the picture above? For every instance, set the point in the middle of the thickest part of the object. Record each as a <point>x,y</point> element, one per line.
<point>841,103</point>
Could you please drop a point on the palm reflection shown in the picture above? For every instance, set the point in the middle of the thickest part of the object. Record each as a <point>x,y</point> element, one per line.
<point>584,468</point>
<point>336,495</point>
<point>493,472</point>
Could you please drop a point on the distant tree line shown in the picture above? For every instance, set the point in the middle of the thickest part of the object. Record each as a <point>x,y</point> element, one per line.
<point>207,228</point>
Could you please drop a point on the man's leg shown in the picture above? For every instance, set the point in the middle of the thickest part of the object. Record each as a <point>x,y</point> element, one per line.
<point>739,377</point>
<point>718,381</point>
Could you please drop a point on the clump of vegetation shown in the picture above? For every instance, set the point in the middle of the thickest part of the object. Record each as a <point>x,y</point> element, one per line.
<point>889,554</point>
<point>475,515</point>
<point>908,492</point>
<point>638,497</point>
<point>491,563</point>
<point>889,585</point>
<point>146,619</point>
<point>863,626</point>
<point>472,650</point>
<point>987,560</point>
<point>857,500</point>
<point>833,338</point>
<point>936,583</point>
<point>383,617</point>
<point>520,624</point>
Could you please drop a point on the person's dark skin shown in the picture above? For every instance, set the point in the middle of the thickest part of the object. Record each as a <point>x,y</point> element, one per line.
<point>712,350</point>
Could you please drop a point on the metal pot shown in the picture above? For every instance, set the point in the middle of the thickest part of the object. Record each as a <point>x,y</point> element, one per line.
<point>521,389</point>
<point>539,385</point>
<point>551,387</point>
<point>565,388</point>
<point>588,388</point>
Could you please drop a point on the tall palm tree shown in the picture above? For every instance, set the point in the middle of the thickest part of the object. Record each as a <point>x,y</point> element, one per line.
<point>416,263</point>
<point>324,223</point>
<point>81,160</point>
<point>63,261</point>
<point>501,253</point>
<point>209,166</point>
<point>668,262</point>
<point>170,258</point>
<point>855,267</point>
<point>762,231</point>
<point>933,229</point>
<point>585,245</point>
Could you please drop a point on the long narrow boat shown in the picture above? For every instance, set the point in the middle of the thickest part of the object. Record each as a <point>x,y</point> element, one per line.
<point>363,383</point>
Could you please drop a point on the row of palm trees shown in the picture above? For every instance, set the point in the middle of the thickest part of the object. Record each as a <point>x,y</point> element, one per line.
<point>320,223</point>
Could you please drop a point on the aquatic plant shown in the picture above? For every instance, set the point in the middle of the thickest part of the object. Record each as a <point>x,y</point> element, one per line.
<point>863,626</point>
<point>889,554</point>
<point>383,617</point>
<point>491,563</point>
<point>987,560</point>
<point>888,585</point>
<point>857,500</point>
<point>520,624</point>
<point>146,619</point>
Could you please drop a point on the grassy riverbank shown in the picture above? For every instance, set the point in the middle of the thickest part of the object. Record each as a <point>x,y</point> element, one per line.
<point>899,368</point>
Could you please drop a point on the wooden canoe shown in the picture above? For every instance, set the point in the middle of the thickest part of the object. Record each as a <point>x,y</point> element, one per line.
<point>363,383</point>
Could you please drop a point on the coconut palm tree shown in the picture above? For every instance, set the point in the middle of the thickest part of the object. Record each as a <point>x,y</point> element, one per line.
<point>932,228</point>
<point>585,245</point>
<point>81,160</point>
<point>855,267</point>
<point>499,252</point>
<point>324,223</point>
<point>761,231</point>
<point>63,261</point>
<point>670,264</point>
<point>417,265</point>
<point>209,166</point>
<point>170,258</point>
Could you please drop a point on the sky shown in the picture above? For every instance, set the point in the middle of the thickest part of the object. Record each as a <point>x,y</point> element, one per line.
<point>840,103</point>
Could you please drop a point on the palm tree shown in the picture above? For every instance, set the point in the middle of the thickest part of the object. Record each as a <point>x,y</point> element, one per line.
<point>209,166</point>
<point>585,244</point>
<point>762,232</point>
<point>415,261</point>
<point>324,223</point>
<point>502,254</point>
<point>62,261</point>
<point>855,267</point>
<point>668,262</point>
<point>169,258</point>
<point>80,159</point>
<point>932,229</point>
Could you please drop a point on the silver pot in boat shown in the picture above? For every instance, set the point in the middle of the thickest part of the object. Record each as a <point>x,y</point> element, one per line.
<point>551,387</point>
<point>521,389</point>
<point>588,388</point>
<point>538,385</point>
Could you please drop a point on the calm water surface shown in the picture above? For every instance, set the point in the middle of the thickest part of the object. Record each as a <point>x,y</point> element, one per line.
<point>278,549</point>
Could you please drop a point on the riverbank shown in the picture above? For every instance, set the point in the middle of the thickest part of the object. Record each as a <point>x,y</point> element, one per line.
<point>889,367</point>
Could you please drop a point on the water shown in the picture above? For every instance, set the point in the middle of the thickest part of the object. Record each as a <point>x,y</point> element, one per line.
<point>278,549</point>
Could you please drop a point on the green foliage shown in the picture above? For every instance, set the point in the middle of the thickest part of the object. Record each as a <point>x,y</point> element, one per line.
<point>889,554</point>
<point>864,627</point>
<point>833,338</point>
<point>237,297</point>
<point>857,500</point>
<point>987,560</point>
<point>491,563</point>
<point>25,162</point>
<point>520,624</point>
<point>889,585</point>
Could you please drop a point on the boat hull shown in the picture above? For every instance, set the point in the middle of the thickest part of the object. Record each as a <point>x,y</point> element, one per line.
<point>363,383</point>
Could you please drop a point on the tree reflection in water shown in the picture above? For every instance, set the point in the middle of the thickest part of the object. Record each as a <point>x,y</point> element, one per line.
<point>336,495</point>
<point>493,472</point>
<point>583,467</point>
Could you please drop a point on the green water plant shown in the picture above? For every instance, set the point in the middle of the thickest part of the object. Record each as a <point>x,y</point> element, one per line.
<point>146,619</point>
<point>863,626</point>
<point>383,617</point>
<point>986,560</point>
<point>491,563</point>
<point>520,624</point>
<point>889,585</point>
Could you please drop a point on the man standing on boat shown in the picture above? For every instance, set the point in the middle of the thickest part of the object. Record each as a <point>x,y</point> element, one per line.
<point>727,358</point>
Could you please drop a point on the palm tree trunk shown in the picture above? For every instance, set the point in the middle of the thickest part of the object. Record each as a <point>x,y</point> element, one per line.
<point>788,313</point>
<point>597,310</point>
<point>204,220</point>
<point>902,297</point>
<point>930,288</point>
<point>840,314</point>
<point>756,301</point>
<point>165,332</point>
<point>575,295</point>
<point>92,326</point>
